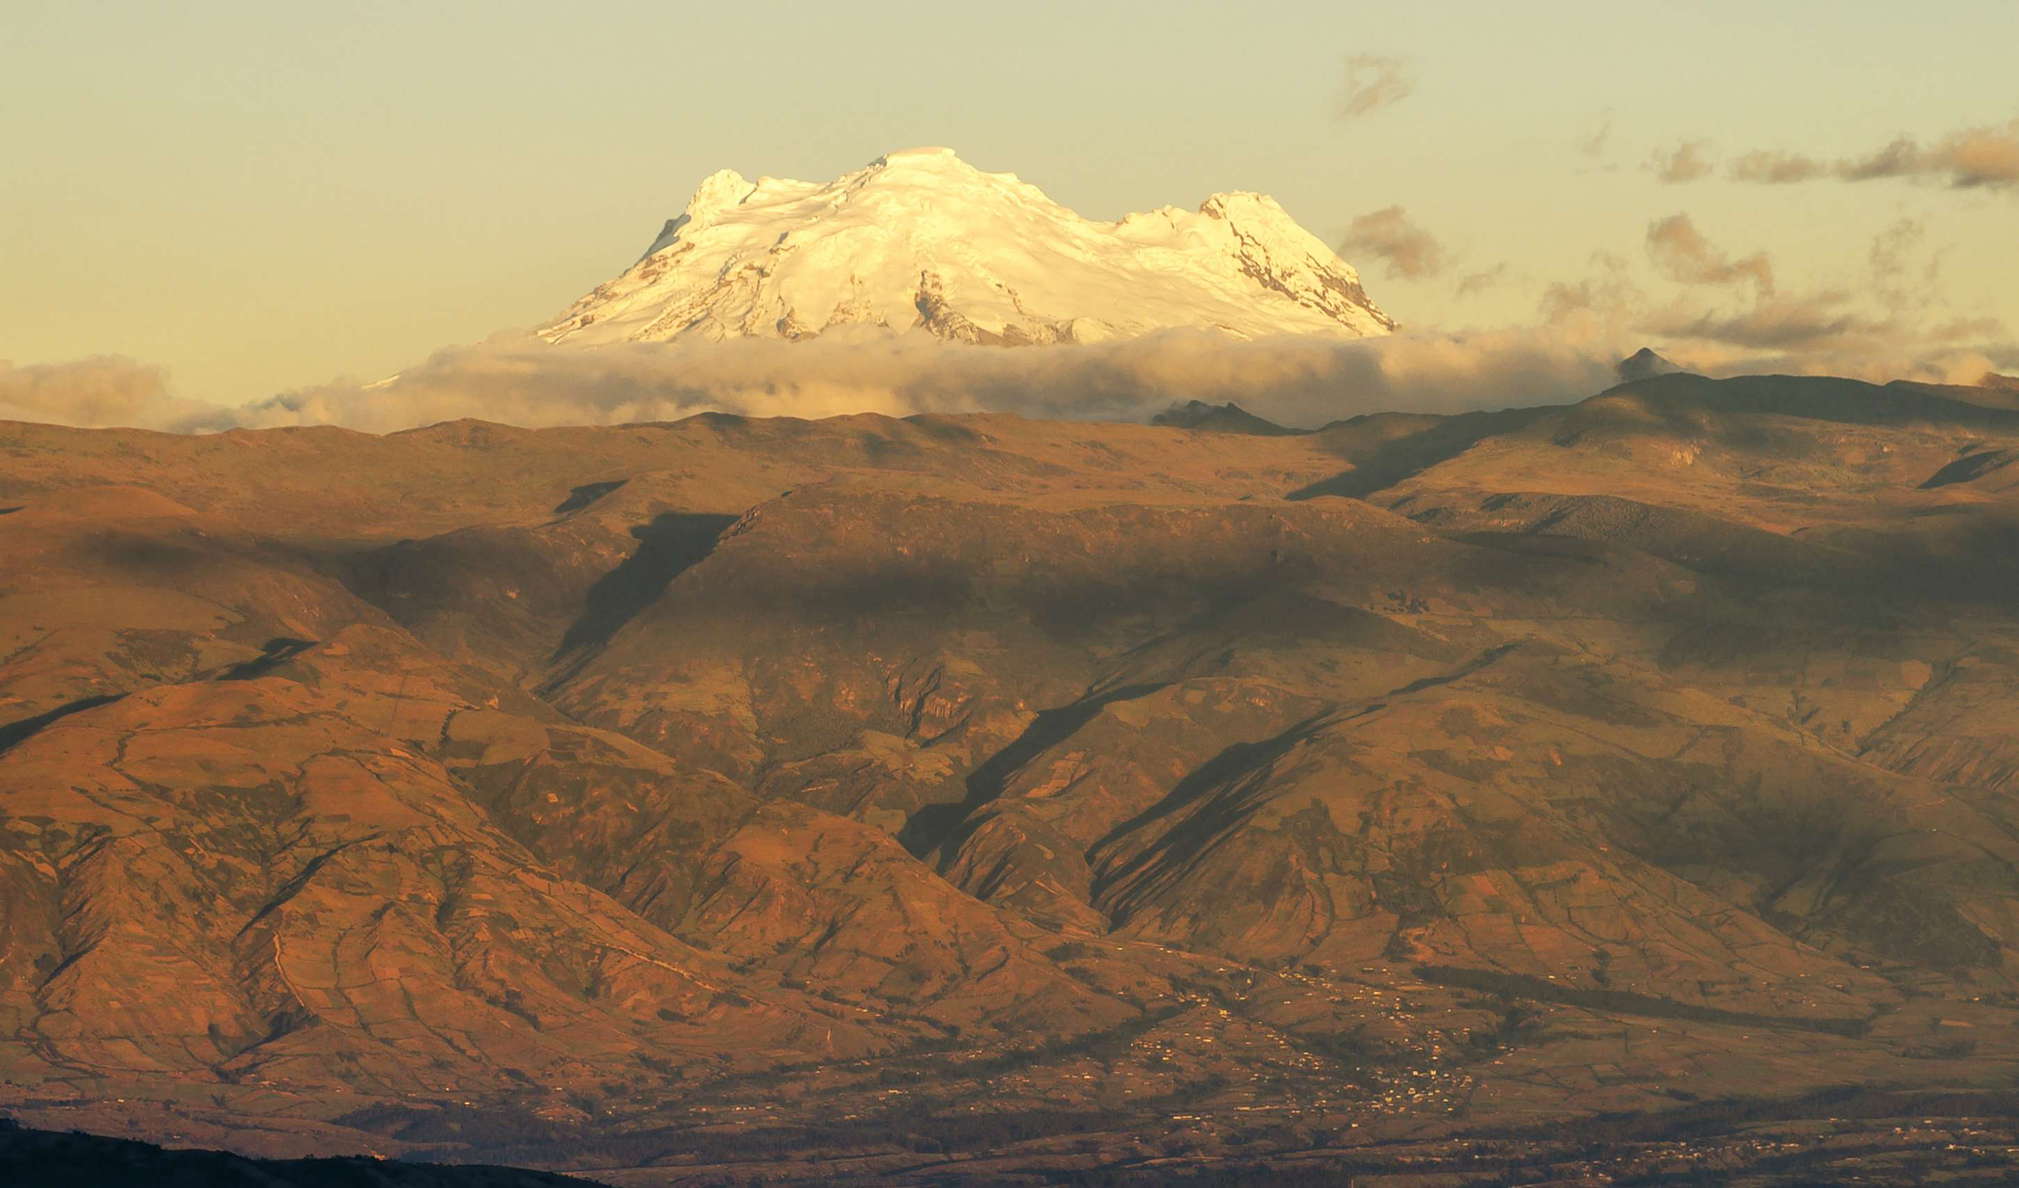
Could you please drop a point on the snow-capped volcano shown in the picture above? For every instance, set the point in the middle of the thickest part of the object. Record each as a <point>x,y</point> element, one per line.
<point>922,240</point>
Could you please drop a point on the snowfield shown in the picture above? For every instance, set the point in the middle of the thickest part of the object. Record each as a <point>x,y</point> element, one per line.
<point>921,240</point>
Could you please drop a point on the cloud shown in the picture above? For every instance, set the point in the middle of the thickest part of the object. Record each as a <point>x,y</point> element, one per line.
<point>1905,279</point>
<point>1775,169</point>
<point>1829,332</point>
<point>1726,317</point>
<point>1602,297</point>
<point>1981,157</point>
<point>1682,254</point>
<point>1479,282</point>
<point>1303,380</point>
<point>1729,320</point>
<point>1374,82</point>
<point>1780,323</point>
<point>103,390</point>
<point>1987,156</point>
<point>1594,142</point>
<point>1387,235</point>
<point>1686,162</point>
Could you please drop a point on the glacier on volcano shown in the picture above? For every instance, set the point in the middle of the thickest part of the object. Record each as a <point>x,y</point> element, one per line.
<point>922,241</point>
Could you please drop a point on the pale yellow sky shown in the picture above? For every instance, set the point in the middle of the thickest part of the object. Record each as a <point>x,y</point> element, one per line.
<point>264,196</point>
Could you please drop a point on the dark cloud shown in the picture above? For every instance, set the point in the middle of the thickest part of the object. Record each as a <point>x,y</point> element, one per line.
<point>1686,162</point>
<point>1374,82</point>
<point>1388,235</point>
<point>1682,254</point>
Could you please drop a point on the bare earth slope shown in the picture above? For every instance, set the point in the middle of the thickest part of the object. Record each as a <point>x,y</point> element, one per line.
<point>958,795</point>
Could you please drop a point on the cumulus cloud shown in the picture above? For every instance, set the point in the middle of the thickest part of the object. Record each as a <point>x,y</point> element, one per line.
<point>1686,162</point>
<point>1388,235</point>
<point>1374,82</point>
<point>1682,254</point>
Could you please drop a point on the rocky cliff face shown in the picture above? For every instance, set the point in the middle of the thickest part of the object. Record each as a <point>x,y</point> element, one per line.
<point>920,240</point>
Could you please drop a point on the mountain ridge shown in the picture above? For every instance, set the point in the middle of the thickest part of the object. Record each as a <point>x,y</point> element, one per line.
<point>764,792</point>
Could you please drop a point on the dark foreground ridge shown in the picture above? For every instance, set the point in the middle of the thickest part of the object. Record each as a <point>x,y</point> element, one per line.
<point>49,1159</point>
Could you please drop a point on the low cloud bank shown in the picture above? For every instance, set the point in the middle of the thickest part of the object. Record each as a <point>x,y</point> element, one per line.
<point>1298,380</point>
<point>1302,381</point>
<point>101,390</point>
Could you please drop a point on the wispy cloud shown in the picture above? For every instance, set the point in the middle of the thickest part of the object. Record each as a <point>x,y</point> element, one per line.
<point>1728,318</point>
<point>1595,141</point>
<point>1979,157</point>
<point>1480,281</point>
<point>1987,156</point>
<point>1776,169</point>
<point>1779,323</point>
<point>1374,82</point>
<point>1682,254</point>
<point>1686,162</point>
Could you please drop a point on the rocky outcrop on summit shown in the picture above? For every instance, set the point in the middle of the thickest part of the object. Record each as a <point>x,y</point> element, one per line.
<point>921,240</point>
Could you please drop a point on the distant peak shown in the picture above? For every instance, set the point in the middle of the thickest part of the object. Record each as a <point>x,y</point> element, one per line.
<point>1218,418</point>
<point>1644,364</point>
